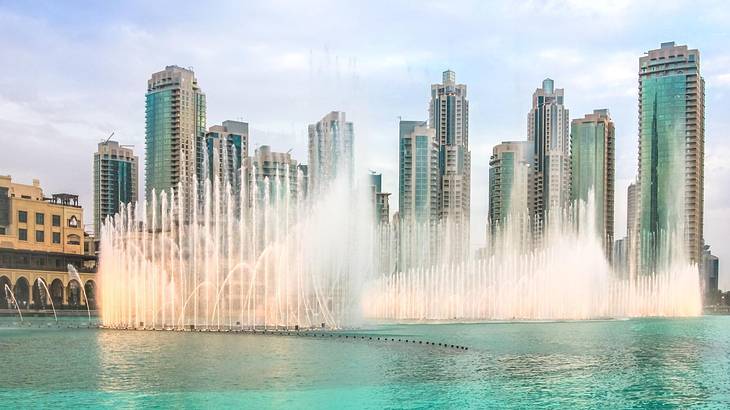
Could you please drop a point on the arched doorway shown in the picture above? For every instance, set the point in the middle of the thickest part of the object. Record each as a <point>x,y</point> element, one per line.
<point>73,290</point>
<point>40,297</point>
<point>56,289</point>
<point>22,292</point>
<point>5,299</point>
<point>90,288</point>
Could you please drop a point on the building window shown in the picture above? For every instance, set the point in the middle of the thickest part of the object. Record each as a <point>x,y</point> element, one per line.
<point>73,240</point>
<point>73,222</point>
<point>40,218</point>
<point>40,236</point>
<point>2,230</point>
<point>56,237</point>
<point>56,220</point>
<point>22,234</point>
<point>22,216</point>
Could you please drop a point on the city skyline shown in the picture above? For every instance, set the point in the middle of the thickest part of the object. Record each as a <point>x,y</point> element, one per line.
<point>334,70</point>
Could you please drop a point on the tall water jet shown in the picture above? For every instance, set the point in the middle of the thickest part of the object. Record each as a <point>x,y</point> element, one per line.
<point>257,256</point>
<point>73,274</point>
<point>48,293</point>
<point>562,275</point>
<point>17,306</point>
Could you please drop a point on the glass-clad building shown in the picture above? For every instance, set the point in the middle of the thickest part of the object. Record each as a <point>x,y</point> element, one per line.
<point>592,140</point>
<point>116,179</point>
<point>174,132</point>
<point>418,199</point>
<point>508,180</point>
<point>226,149</point>
<point>671,156</point>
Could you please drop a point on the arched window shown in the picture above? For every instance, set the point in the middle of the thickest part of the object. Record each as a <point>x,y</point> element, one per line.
<point>73,239</point>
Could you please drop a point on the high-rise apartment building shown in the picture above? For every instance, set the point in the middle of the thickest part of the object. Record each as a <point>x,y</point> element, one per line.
<point>631,230</point>
<point>175,131</point>
<point>116,180</point>
<point>671,154</point>
<point>268,169</point>
<point>418,173</point>
<point>547,129</point>
<point>380,199</point>
<point>227,148</point>
<point>593,163</point>
<point>330,150</point>
<point>508,180</point>
<point>449,117</point>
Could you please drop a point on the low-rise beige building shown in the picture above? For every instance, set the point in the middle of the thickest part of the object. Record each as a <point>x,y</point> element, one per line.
<point>39,237</point>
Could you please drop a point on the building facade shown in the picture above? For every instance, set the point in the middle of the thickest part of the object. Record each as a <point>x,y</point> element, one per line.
<point>710,276</point>
<point>632,249</point>
<point>268,170</point>
<point>226,149</point>
<point>174,132</point>
<point>418,173</point>
<point>449,117</point>
<point>39,238</point>
<point>116,180</point>
<point>380,199</point>
<point>593,169</point>
<point>330,150</point>
<point>508,180</point>
<point>547,129</point>
<point>671,155</point>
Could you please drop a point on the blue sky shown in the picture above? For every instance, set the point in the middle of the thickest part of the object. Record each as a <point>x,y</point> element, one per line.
<point>75,71</point>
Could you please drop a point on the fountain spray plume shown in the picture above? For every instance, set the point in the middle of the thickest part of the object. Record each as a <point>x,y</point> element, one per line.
<point>74,275</point>
<point>15,301</point>
<point>562,274</point>
<point>248,252</point>
<point>41,286</point>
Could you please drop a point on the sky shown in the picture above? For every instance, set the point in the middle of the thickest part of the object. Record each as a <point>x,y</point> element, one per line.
<point>73,72</point>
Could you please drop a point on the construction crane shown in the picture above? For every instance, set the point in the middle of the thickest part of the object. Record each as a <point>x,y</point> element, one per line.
<point>110,137</point>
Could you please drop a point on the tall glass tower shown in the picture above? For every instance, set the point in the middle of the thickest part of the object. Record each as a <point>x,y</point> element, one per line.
<point>227,149</point>
<point>593,158</point>
<point>418,194</point>
<point>330,150</point>
<point>449,117</point>
<point>547,129</point>
<point>116,179</point>
<point>175,131</point>
<point>508,176</point>
<point>671,155</point>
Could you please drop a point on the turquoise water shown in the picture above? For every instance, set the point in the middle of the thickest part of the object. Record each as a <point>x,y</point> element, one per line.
<point>616,364</point>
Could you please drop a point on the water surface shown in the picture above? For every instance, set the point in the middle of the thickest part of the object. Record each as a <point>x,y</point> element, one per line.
<point>630,363</point>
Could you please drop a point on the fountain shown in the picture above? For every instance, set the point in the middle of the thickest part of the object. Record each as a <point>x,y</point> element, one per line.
<point>48,293</point>
<point>9,291</point>
<point>564,275</point>
<point>245,253</point>
<point>74,275</point>
<point>258,258</point>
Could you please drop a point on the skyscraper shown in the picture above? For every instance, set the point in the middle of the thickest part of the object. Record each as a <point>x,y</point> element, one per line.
<point>175,130</point>
<point>508,177</point>
<point>593,158</point>
<point>418,173</point>
<point>227,148</point>
<point>632,249</point>
<point>116,180</point>
<point>547,127</point>
<point>671,154</point>
<point>267,168</point>
<point>381,203</point>
<point>330,150</point>
<point>449,117</point>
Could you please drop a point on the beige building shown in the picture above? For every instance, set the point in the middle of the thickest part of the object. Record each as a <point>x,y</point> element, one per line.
<point>39,237</point>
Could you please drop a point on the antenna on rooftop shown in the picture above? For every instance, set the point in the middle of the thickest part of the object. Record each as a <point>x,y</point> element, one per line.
<point>110,137</point>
